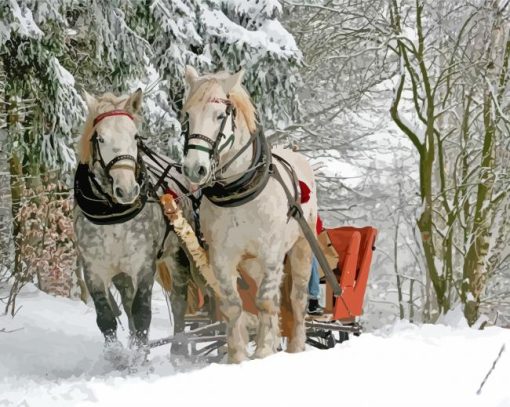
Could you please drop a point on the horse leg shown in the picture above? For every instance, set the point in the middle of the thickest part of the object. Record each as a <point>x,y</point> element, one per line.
<point>268,305</point>
<point>300,263</point>
<point>180,270</point>
<point>141,309</point>
<point>105,317</point>
<point>232,308</point>
<point>124,285</point>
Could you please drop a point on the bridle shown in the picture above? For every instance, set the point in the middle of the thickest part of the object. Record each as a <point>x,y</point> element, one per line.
<point>113,163</point>
<point>215,148</point>
<point>236,189</point>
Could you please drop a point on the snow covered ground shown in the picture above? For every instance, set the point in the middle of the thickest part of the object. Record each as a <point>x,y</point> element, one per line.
<point>51,355</point>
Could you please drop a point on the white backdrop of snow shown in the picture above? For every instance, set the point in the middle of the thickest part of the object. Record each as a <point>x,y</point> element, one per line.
<point>55,359</point>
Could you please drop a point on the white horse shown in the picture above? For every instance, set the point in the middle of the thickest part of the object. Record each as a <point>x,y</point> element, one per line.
<point>244,214</point>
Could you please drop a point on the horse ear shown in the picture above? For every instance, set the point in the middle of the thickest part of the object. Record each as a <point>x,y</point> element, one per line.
<point>134,102</point>
<point>89,100</point>
<point>233,81</point>
<point>190,74</point>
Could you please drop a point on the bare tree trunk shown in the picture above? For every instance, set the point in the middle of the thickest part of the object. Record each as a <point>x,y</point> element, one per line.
<point>395,262</point>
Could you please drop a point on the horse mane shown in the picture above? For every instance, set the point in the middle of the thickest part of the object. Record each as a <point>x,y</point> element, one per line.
<point>103,104</point>
<point>238,96</point>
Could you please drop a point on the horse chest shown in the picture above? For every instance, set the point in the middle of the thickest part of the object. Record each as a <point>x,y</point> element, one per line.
<point>251,226</point>
<point>119,247</point>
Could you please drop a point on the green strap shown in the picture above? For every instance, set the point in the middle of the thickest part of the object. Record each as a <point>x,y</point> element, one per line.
<point>199,147</point>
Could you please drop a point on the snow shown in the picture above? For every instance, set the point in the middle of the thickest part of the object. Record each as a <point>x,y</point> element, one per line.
<point>267,8</point>
<point>24,22</point>
<point>53,357</point>
<point>270,37</point>
<point>64,77</point>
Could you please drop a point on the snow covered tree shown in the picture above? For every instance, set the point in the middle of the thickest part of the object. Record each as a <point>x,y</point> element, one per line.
<point>247,33</point>
<point>228,35</point>
<point>448,64</point>
<point>41,43</point>
<point>52,50</point>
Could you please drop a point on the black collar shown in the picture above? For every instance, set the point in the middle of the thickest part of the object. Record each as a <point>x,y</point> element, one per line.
<point>97,206</point>
<point>249,185</point>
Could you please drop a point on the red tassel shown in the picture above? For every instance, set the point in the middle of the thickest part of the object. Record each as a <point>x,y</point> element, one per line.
<point>319,226</point>
<point>171,192</point>
<point>305,192</point>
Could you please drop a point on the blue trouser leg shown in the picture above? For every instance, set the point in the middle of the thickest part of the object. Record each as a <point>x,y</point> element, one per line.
<point>314,283</point>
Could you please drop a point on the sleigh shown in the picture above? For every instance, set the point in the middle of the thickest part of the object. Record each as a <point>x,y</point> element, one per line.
<point>349,253</point>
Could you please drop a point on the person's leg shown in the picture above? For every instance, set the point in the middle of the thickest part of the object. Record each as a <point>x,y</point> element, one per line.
<point>314,283</point>
<point>314,289</point>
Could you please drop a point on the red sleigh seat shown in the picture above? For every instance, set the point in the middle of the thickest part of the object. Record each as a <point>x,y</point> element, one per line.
<point>354,247</point>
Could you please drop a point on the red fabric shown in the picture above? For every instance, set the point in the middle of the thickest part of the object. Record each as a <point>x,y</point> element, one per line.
<point>305,197</point>
<point>171,192</point>
<point>112,113</point>
<point>305,192</point>
<point>319,226</point>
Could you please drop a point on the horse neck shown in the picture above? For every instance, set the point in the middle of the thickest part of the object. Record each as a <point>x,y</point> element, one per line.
<point>242,163</point>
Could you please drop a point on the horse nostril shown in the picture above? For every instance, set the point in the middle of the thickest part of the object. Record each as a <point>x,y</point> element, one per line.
<point>186,170</point>
<point>118,192</point>
<point>202,171</point>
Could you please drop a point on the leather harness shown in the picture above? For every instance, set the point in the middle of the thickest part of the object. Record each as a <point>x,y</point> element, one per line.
<point>97,205</point>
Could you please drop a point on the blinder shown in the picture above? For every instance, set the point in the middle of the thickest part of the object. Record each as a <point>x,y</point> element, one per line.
<point>214,148</point>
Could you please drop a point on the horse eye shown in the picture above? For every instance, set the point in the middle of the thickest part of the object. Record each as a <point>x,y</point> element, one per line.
<point>100,139</point>
<point>222,116</point>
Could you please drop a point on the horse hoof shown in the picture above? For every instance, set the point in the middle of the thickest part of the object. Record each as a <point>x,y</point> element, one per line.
<point>115,353</point>
<point>295,348</point>
<point>137,341</point>
<point>139,356</point>
<point>263,353</point>
<point>237,357</point>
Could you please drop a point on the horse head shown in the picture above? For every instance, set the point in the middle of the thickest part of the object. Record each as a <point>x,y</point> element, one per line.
<point>220,116</point>
<point>109,144</point>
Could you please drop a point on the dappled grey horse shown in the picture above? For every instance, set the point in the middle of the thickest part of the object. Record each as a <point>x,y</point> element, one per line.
<point>119,224</point>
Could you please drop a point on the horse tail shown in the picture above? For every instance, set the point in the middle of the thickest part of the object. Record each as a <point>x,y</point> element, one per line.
<point>163,277</point>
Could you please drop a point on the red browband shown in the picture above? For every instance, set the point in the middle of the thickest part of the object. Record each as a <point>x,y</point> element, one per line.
<point>112,113</point>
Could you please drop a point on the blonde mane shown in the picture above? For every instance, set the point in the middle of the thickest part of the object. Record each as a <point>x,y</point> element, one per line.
<point>103,104</point>
<point>238,96</point>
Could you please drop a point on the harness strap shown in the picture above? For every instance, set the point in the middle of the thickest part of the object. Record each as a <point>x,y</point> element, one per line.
<point>214,148</point>
<point>118,158</point>
<point>108,167</point>
<point>198,136</point>
<point>293,177</point>
<point>248,186</point>
<point>97,206</point>
<point>296,211</point>
<point>238,154</point>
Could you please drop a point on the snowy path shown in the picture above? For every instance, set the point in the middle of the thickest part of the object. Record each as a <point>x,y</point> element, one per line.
<point>56,360</point>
